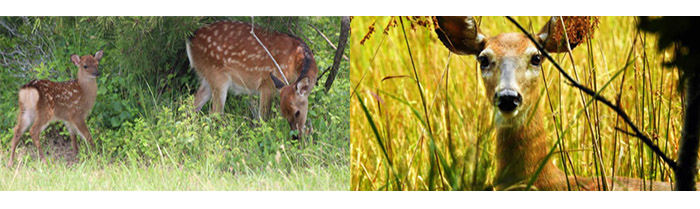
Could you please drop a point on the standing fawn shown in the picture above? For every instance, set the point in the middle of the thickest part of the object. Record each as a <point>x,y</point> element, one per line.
<point>510,68</point>
<point>44,101</point>
<point>227,57</point>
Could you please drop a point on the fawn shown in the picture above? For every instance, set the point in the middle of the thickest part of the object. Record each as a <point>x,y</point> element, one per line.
<point>44,101</point>
<point>510,66</point>
<point>226,56</point>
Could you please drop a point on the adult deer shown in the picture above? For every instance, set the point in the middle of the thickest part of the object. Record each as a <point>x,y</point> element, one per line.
<point>510,67</point>
<point>227,57</point>
<point>44,101</point>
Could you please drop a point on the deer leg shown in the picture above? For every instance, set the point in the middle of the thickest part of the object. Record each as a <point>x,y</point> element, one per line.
<point>203,95</point>
<point>266,96</point>
<point>219,93</point>
<point>71,130</point>
<point>39,125</point>
<point>84,132</point>
<point>23,122</point>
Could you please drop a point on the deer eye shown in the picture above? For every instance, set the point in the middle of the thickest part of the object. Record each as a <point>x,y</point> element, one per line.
<point>483,61</point>
<point>85,66</point>
<point>536,60</point>
<point>296,114</point>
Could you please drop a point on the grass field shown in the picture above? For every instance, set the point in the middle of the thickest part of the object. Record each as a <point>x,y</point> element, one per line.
<point>119,177</point>
<point>452,148</point>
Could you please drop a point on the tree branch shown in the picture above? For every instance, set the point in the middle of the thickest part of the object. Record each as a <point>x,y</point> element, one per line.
<point>342,42</point>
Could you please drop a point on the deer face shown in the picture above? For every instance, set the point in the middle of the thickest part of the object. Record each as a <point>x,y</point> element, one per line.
<point>294,103</point>
<point>510,63</point>
<point>88,64</point>
<point>510,67</point>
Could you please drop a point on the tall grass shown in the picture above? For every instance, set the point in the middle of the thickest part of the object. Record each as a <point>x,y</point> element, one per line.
<point>455,152</point>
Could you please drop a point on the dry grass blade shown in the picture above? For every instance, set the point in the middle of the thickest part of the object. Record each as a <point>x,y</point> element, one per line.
<point>393,77</point>
<point>379,139</point>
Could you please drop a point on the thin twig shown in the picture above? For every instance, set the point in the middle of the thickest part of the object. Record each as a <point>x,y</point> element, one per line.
<point>624,132</point>
<point>252,31</point>
<point>324,72</point>
<point>671,163</point>
<point>327,40</point>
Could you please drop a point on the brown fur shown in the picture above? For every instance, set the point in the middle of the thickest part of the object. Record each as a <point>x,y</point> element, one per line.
<point>226,56</point>
<point>295,105</point>
<point>521,144</point>
<point>43,101</point>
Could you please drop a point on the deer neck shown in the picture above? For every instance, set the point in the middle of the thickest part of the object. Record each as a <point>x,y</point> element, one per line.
<point>520,148</point>
<point>88,86</point>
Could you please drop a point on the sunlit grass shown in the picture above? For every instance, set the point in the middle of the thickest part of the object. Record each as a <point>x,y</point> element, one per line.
<point>93,175</point>
<point>461,117</point>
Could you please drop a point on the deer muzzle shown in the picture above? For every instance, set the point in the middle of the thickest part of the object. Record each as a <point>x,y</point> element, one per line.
<point>507,100</point>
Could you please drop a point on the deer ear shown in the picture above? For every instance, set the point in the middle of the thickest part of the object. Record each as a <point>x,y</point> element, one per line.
<point>552,35</point>
<point>278,84</point>
<point>303,87</point>
<point>460,34</point>
<point>98,55</point>
<point>75,58</point>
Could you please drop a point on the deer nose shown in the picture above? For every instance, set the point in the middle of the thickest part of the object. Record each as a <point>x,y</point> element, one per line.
<point>507,100</point>
<point>96,73</point>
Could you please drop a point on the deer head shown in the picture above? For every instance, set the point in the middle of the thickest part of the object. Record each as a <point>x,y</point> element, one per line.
<point>294,101</point>
<point>510,63</point>
<point>87,64</point>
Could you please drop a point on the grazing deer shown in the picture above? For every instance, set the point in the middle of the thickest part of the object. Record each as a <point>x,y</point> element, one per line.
<point>227,57</point>
<point>44,101</point>
<point>510,68</point>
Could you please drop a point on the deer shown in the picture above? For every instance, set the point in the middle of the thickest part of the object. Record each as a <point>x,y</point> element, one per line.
<point>227,57</point>
<point>510,65</point>
<point>42,102</point>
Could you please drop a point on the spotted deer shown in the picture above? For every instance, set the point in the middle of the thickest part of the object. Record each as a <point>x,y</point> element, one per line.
<point>44,101</point>
<point>226,56</point>
<point>510,69</point>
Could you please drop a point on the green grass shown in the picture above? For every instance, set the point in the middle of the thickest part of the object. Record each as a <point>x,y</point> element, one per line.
<point>182,150</point>
<point>447,141</point>
<point>93,176</point>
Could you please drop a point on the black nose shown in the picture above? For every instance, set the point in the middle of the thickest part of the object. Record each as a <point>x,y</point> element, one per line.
<point>96,73</point>
<point>507,100</point>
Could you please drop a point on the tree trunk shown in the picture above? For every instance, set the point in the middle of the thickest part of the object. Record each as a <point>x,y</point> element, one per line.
<point>688,150</point>
<point>342,41</point>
